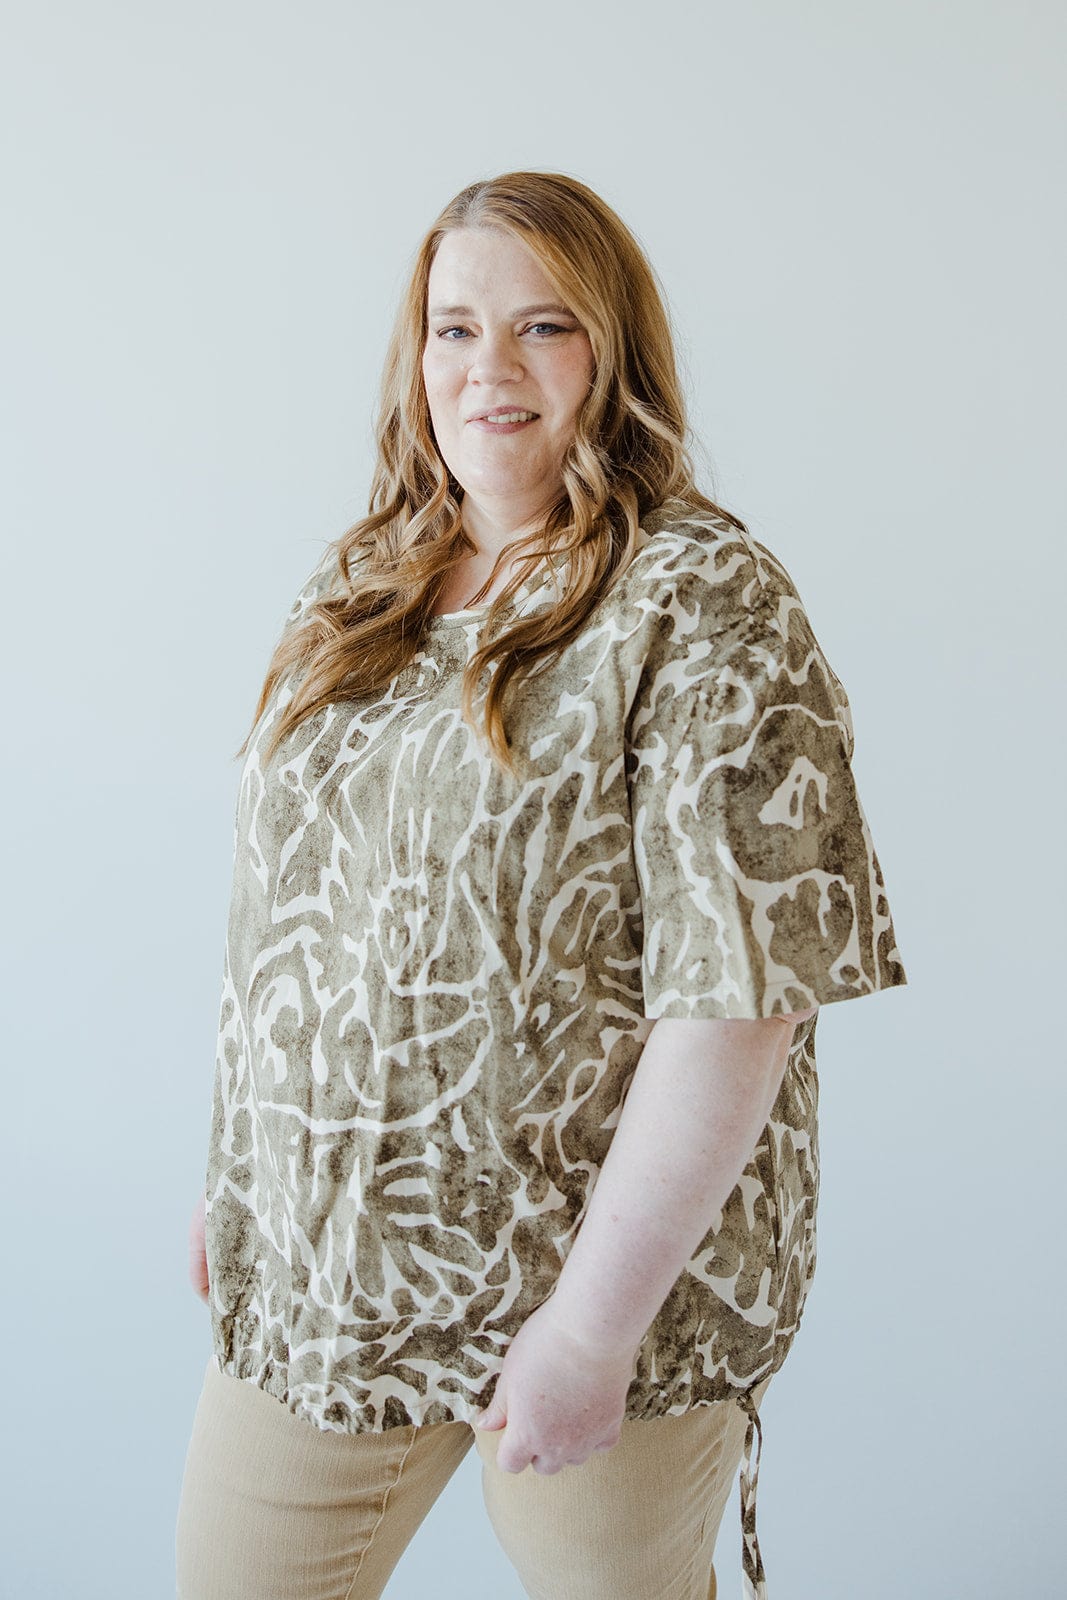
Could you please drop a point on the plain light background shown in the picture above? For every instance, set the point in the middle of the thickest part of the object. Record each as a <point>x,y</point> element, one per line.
<point>856,213</point>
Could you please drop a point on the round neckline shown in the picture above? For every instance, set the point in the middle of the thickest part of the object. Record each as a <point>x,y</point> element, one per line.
<point>444,621</point>
<point>468,611</point>
<point>441,620</point>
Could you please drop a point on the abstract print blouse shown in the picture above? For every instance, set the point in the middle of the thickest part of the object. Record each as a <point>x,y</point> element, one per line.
<point>438,980</point>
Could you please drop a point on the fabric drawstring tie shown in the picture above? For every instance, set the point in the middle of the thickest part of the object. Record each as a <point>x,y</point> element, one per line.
<point>754,1577</point>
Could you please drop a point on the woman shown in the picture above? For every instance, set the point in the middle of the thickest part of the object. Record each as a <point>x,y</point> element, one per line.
<point>547,851</point>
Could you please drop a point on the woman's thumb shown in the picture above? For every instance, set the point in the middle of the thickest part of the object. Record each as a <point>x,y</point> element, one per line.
<point>493,1416</point>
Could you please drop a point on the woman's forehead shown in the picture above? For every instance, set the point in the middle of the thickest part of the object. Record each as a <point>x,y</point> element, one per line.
<point>487,263</point>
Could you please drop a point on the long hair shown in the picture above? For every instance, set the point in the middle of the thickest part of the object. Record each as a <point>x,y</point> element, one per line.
<point>628,456</point>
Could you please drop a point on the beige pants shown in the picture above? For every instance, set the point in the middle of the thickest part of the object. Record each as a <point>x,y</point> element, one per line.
<point>273,1508</point>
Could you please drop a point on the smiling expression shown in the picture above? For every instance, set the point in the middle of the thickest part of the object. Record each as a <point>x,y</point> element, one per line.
<point>498,337</point>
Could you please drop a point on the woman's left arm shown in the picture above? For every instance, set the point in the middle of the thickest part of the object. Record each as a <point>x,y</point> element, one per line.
<point>701,1093</point>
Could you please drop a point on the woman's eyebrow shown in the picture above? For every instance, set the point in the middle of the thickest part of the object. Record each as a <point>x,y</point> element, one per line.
<point>522,311</point>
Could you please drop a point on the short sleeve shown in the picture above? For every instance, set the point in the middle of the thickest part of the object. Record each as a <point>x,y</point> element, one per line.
<point>761,892</point>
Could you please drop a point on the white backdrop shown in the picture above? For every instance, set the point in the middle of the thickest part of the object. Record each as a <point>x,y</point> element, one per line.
<point>856,213</point>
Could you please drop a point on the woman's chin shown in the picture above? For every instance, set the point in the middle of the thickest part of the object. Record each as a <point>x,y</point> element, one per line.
<point>513,485</point>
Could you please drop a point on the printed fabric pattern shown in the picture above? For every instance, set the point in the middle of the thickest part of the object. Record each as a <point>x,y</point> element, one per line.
<point>438,980</point>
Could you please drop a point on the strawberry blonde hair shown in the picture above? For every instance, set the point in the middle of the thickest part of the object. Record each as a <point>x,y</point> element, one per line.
<point>629,455</point>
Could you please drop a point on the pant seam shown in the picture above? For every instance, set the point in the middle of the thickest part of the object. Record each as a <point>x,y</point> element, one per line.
<point>716,1486</point>
<point>712,1496</point>
<point>385,1501</point>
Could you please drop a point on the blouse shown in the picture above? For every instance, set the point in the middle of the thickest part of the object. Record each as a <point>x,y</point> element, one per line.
<point>438,980</point>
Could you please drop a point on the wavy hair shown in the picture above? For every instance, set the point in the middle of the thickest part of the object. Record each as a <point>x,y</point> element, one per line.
<point>628,456</point>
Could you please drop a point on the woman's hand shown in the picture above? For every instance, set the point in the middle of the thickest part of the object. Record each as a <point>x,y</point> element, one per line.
<point>558,1397</point>
<point>197,1252</point>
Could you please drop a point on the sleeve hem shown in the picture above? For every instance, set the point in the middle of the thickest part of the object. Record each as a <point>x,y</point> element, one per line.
<point>774,1003</point>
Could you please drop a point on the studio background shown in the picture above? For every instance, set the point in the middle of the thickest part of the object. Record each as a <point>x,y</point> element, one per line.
<point>856,215</point>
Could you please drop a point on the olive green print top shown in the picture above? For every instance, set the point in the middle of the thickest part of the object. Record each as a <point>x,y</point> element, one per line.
<point>438,981</point>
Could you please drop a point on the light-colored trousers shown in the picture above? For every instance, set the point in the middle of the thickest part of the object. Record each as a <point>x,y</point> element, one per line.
<point>273,1508</point>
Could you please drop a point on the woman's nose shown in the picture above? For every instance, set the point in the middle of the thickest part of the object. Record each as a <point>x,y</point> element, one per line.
<point>495,357</point>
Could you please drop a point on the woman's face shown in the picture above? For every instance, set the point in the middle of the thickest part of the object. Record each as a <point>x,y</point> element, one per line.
<point>497,338</point>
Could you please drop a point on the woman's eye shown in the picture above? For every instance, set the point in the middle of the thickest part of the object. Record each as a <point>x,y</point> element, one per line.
<point>552,327</point>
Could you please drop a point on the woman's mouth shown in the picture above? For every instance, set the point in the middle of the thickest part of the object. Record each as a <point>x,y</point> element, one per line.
<point>505,421</point>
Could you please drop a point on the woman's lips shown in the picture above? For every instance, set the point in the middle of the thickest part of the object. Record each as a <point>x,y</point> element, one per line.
<point>488,426</point>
